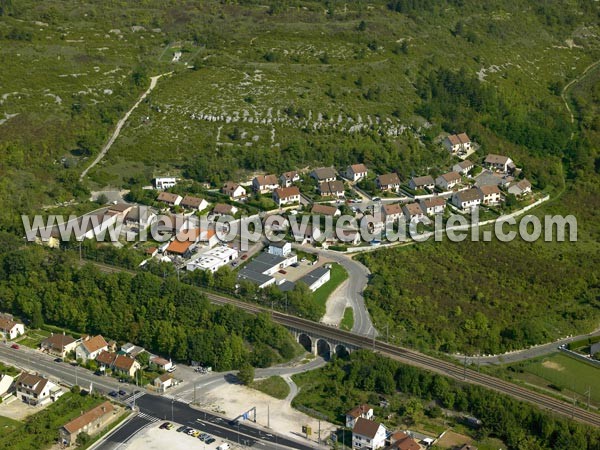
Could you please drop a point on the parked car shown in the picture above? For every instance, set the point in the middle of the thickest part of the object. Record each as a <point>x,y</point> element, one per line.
<point>282,272</point>
<point>244,257</point>
<point>172,369</point>
<point>113,393</point>
<point>165,426</point>
<point>15,346</point>
<point>58,360</point>
<point>181,428</point>
<point>210,440</point>
<point>122,392</point>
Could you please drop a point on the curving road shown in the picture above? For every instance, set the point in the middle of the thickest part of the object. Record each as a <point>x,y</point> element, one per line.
<point>351,289</point>
<point>120,123</point>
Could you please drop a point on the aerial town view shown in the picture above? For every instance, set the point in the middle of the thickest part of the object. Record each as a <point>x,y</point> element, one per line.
<point>300,224</point>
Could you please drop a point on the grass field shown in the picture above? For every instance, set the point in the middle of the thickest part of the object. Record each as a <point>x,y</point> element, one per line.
<point>348,320</point>
<point>338,276</point>
<point>8,425</point>
<point>274,386</point>
<point>33,338</point>
<point>562,372</point>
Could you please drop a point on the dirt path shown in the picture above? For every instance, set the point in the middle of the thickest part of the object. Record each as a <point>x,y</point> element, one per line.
<point>120,123</point>
<point>563,94</point>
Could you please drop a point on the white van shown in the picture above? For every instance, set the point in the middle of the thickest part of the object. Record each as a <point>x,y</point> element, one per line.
<point>223,446</point>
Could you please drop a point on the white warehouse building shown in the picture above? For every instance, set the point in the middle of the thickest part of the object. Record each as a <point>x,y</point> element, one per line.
<point>213,259</point>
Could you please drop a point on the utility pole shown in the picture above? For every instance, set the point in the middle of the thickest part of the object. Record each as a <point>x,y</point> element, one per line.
<point>268,415</point>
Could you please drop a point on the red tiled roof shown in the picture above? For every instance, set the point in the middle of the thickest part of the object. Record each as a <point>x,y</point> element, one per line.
<point>85,419</point>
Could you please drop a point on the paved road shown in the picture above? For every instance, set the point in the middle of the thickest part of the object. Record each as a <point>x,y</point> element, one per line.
<point>153,408</point>
<point>520,355</point>
<point>352,288</point>
<point>120,123</point>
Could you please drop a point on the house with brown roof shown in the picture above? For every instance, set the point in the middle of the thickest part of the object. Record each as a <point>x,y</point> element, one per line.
<point>325,210</point>
<point>122,364</point>
<point>10,328</point>
<point>91,422</point>
<point>425,182</point>
<point>59,344</point>
<point>413,212</point>
<point>90,347</point>
<point>367,434</point>
<point>120,209</point>
<point>447,180</point>
<point>455,143</point>
<point>388,182</point>
<point>499,162</point>
<point>169,198</point>
<point>224,209</point>
<point>194,203</point>
<point>391,212</point>
<point>163,382</point>
<point>463,167</point>
<point>402,441</point>
<point>265,183</point>
<point>331,188</point>
<point>356,172</point>
<point>36,390</point>
<point>490,194</point>
<point>286,195</point>
<point>161,363</point>
<point>324,174</point>
<point>467,200</point>
<point>519,188</point>
<point>179,248</point>
<point>365,411</point>
<point>234,190</point>
<point>433,205</point>
<point>288,178</point>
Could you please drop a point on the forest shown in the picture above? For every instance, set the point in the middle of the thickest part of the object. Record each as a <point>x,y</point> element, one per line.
<point>366,377</point>
<point>161,314</point>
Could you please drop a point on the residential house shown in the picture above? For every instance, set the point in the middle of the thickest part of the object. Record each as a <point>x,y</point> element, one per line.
<point>391,212</point>
<point>316,278</point>
<point>499,162</point>
<point>91,422</point>
<point>163,382</point>
<point>402,441</point>
<point>140,216</point>
<point>162,183</point>
<point>10,328</point>
<point>324,174</point>
<point>490,194</point>
<point>194,203</point>
<point>467,200</point>
<point>223,209</point>
<point>59,344</point>
<point>356,172</point>
<point>331,188</point>
<point>36,390</point>
<point>179,248</point>
<point>282,248</point>
<point>119,209</point>
<point>213,259</point>
<point>364,411</point>
<point>126,365</point>
<point>283,196</point>
<point>347,236</point>
<point>448,180</point>
<point>6,385</point>
<point>91,347</point>
<point>169,198</point>
<point>433,205</point>
<point>265,183</point>
<point>368,435</point>
<point>161,363</point>
<point>234,190</point>
<point>425,182</point>
<point>520,187</point>
<point>413,212</point>
<point>457,143</point>
<point>132,350</point>
<point>307,235</point>
<point>288,178</point>
<point>325,210</point>
<point>388,182</point>
<point>463,167</point>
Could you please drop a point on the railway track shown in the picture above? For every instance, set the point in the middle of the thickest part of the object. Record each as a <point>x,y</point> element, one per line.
<point>420,360</point>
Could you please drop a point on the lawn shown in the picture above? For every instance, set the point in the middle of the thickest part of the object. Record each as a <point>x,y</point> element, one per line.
<point>348,319</point>
<point>338,275</point>
<point>274,386</point>
<point>563,372</point>
<point>8,425</point>
<point>41,430</point>
<point>33,338</point>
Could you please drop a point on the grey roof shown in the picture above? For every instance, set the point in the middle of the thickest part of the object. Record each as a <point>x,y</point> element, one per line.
<point>286,286</point>
<point>279,244</point>
<point>322,173</point>
<point>264,262</point>
<point>246,273</point>
<point>314,275</point>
